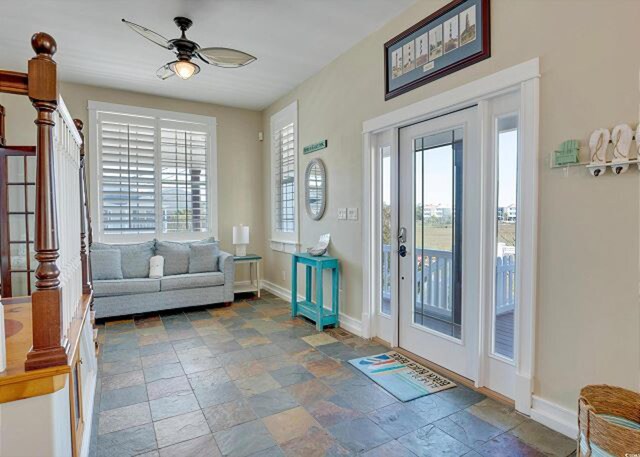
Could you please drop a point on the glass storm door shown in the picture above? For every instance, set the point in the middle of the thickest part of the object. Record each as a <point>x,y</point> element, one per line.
<point>439,240</point>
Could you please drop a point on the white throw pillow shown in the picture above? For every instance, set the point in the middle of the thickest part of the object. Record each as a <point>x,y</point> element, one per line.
<point>156,267</point>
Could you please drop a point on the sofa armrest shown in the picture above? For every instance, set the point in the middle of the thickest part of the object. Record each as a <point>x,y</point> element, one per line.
<point>227,266</point>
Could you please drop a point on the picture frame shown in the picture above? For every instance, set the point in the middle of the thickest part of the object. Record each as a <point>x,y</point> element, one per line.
<point>450,39</point>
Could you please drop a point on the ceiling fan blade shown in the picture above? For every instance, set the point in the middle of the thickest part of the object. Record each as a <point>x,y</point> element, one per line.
<point>149,34</point>
<point>164,72</point>
<point>225,57</point>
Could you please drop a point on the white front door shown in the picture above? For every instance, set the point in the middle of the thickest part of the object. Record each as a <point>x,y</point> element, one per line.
<point>439,242</point>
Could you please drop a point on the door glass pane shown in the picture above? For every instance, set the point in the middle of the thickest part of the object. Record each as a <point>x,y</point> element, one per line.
<point>31,197</point>
<point>505,280</point>
<point>18,253</point>
<point>16,198</point>
<point>15,168</point>
<point>19,284</point>
<point>32,225</point>
<point>385,303</point>
<point>17,227</point>
<point>437,167</point>
<point>31,169</point>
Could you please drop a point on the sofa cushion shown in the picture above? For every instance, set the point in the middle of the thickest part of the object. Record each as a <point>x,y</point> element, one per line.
<point>203,257</point>
<point>176,257</point>
<point>125,287</point>
<point>106,264</point>
<point>192,281</point>
<point>135,257</point>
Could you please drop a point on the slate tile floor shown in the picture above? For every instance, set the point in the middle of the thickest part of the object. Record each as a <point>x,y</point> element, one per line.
<point>247,380</point>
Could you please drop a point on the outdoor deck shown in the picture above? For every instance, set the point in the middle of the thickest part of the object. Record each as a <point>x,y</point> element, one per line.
<point>433,300</point>
<point>504,331</point>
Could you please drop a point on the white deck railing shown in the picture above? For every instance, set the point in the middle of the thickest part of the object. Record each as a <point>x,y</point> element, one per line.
<point>67,142</point>
<point>433,280</point>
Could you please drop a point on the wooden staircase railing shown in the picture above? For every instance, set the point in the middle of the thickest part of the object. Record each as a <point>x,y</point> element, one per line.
<point>51,316</point>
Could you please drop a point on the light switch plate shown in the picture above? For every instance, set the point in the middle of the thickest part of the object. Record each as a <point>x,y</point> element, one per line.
<point>352,214</point>
<point>342,214</point>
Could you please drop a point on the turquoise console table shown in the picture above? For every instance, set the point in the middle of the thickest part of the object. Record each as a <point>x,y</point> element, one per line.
<point>307,308</point>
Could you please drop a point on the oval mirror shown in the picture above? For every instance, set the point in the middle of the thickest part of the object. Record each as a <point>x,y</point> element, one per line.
<point>315,189</point>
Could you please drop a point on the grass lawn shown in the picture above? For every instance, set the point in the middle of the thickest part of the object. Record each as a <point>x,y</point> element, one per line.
<point>439,237</point>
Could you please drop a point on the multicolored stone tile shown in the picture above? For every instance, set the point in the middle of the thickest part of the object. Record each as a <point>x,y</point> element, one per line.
<point>316,442</point>
<point>323,367</point>
<point>309,392</point>
<point>180,428</point>
<point>227,415</point>
<point>245,369</point>
<point>207,382</point>
<point>359,435</point>
<point>244,439</point>
<point>289,424</point>
<point>272,402</point>
<point>319,339</point>
<point>255,385</point>
<point>332,411</point>
<point>543,439</point>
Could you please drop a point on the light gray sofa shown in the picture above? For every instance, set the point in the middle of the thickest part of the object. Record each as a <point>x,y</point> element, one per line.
<point>132,291</point>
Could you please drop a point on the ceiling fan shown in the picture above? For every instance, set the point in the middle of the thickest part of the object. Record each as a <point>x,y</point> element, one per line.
<point>186,50</point>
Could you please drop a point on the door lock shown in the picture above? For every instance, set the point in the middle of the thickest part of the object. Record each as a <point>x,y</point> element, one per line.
<point>402,250</point>
<point>402,235</point>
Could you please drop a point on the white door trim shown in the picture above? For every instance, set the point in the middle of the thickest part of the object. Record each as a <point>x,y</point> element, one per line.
<point>525,78</point>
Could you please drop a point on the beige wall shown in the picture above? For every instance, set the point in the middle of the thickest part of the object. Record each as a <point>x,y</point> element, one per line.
<point>588,311</point>
<point>239,151</point>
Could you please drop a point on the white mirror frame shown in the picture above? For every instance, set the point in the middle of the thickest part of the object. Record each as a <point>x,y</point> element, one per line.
<point>313,163</point>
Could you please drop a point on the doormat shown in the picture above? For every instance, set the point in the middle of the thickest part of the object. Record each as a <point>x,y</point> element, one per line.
<point>401,377</point>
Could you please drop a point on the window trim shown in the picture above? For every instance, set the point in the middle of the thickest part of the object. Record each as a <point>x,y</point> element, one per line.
<point>93,158</point>
<point>285,241</point>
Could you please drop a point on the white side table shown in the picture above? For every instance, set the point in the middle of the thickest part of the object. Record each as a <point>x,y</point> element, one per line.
<point>254,283</point>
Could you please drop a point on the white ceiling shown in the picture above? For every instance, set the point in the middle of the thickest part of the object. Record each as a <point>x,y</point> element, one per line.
<point>293,39</point>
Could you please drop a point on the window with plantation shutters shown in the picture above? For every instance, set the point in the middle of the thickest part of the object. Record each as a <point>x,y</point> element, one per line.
<point>184,180</point>
<point>284,178</point>
<point>154,174</point>
<point>127,175</point>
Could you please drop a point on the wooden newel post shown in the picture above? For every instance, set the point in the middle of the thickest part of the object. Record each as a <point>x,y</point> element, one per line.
<point>87,286</point>
<point>46,300</point>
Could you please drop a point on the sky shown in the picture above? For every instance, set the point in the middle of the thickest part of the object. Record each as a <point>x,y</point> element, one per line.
<point>438,173</point>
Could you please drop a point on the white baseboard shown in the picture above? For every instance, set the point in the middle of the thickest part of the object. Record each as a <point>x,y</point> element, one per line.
<point>346,322</point>
<point>554,416</point>
<point>277,290</point>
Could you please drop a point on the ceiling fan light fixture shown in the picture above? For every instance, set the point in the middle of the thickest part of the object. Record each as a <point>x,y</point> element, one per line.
<point>185,50</point>
<point>185,69</point>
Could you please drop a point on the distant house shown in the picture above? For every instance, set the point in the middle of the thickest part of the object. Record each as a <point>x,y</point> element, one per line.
<point>437,211</point>
<point>507,213</point>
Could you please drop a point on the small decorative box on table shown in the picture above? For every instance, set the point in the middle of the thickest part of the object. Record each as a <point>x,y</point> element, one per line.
<point>315,311</point>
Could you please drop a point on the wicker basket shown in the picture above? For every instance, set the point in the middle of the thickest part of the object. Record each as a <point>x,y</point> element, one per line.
<point>616,440</point>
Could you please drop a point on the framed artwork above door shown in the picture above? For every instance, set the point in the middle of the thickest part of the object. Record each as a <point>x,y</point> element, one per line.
<point>452,38</point>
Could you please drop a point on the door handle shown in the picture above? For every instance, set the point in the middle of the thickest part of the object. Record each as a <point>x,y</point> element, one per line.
<point>402,250</point>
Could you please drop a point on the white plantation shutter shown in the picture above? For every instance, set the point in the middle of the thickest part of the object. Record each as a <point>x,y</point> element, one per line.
<point>154,174</point>
<point>285,177</point>
<point>127,174</point>
<point>184,179</point>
